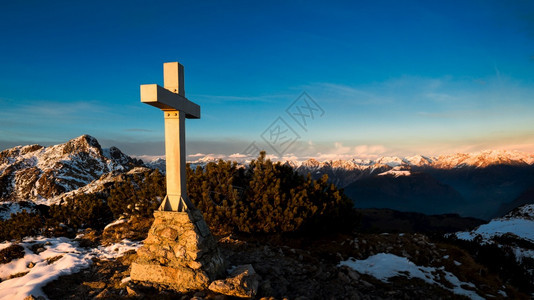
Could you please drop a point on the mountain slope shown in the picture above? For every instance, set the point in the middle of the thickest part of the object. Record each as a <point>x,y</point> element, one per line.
<point>512,234</point>
<point>38,173</point>
<point>486,189</point>
<point>419,192</point>
<point>527,197</point>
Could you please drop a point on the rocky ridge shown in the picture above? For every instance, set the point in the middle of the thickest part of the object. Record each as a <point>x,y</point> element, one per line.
<point>36,173</point>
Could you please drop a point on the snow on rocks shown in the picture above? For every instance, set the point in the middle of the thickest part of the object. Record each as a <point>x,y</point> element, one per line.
<point>519,222</point>
<point>5,245</point>
<point>384,266</point>
<point>93,187</point>
<point>498,227</point>
<point>116,250</point>
<point>60,257</point>
<point>8,208</point>
<point>46,259</point>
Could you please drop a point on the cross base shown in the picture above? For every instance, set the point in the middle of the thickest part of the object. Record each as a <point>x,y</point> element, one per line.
<point>176,203</point>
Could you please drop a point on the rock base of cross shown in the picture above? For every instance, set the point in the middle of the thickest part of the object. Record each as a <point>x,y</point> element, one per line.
<point>179,252</point>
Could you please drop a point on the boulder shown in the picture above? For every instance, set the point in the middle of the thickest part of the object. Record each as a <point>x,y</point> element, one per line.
<point>242,282</point>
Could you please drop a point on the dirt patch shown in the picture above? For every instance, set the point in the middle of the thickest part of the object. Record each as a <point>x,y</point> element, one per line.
<point>102,275</point>
<point>53,259</point>
<point>135,229</point>
<point>18,274</point>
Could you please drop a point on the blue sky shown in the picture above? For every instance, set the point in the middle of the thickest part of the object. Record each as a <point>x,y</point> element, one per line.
<point>390,77</point>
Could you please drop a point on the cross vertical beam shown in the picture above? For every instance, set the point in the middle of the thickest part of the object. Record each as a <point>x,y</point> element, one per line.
<point>173,78</point>
<point>176,199</point>
<point>176,108</point>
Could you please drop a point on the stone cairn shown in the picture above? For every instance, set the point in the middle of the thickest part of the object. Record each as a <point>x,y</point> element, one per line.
<point>179,252</point>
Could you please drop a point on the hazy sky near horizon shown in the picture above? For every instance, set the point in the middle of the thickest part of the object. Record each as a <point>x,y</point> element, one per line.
<point>320,79</point>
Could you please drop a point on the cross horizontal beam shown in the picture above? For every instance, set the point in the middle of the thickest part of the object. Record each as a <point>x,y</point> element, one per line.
<point>164,99</point>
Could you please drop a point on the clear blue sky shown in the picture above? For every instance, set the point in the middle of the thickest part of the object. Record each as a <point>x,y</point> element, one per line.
<point>391,77</point>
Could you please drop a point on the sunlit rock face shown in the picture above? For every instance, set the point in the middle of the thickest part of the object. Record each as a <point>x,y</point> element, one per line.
<point>39,173</point>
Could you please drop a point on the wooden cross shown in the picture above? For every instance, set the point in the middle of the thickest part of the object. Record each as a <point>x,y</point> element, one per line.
<point>176,108</point>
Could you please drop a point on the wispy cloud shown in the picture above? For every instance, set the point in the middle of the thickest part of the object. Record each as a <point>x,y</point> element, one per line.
<point>343,152</point>
<point>344,93</point>
<point>237,99</point>
<point>457,114</point>
<point>53,121</point>
<point>440,97</point>
<point>35,110</point>
<point>138,130</point>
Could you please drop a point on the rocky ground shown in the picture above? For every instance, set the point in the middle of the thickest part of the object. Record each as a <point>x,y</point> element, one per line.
<point>295,267</point>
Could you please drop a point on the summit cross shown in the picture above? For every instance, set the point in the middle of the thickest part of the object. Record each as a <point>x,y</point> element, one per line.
<point>176,108</point>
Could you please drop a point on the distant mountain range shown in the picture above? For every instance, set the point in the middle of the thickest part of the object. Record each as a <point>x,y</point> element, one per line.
<point>344,172</point>
<point>483,185</point>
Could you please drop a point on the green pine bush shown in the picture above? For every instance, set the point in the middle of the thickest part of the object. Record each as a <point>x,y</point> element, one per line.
<point>263,197</point>
<point>138,196</point>
<point>266,197</point>
<point>79,211</point>
<point>20,225</point>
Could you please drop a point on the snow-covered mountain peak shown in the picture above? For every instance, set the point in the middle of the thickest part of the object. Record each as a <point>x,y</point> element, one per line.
<point>484,159</point>
<point>36,172</point>
<point>158,163</point>
<point>312,162</point>
<point>362,162</point>
<point>418,160</point>
<point>83,143</point>
<point>391,161</point>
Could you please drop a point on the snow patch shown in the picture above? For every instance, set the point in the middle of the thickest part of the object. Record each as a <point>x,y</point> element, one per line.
<point>126,279</point>
<point>384,266</point>
<point>62,256</point>
<point>69,259</point>
<point>116,222</point>
<point>396,173</point>
<point>519,222</point>
<point>521,227</point>
<point>5,245</point>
